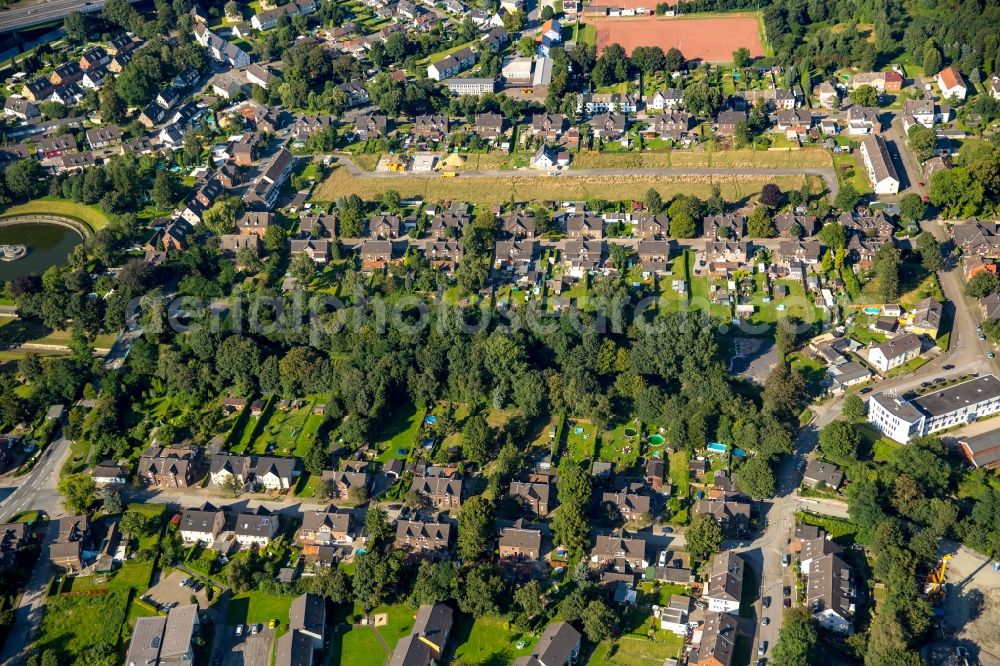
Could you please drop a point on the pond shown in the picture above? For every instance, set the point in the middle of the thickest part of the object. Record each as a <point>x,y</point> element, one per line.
<point>48,245</point>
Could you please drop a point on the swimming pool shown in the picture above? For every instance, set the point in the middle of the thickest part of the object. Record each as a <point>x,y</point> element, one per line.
<point>655,440</point>
<point>872,311</point>
<point>430,420</point>
<point>717,447</point>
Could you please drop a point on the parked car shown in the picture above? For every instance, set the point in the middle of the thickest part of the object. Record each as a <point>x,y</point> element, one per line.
<point>239,630</point>
<point>762,647</point>
<point>663,558</point>
<point>766,621</point>
<point>786,559</point>
<point>787,590</point>
<point>766,602</point>
<point>255,629</point>
<point>788,603</point>
<point>184,582</point>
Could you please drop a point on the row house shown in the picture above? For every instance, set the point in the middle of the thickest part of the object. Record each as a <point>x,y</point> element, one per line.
<point>452,64</point>
<point>378,255</point>
<point>725,583</point>
<point>774,98</point>
<point>220,49</point>
<point>806,225</point>
<point>654,256</point>
<point>386,226</point>
<point>630,506</point>
<point>222,466</point>
<point>448,224</point>
<point>268,19</point>
<point>594,103</point>
<point>104,137</point>
<point>666,100</point>
<point>520,543</point>
<point>619,552</point>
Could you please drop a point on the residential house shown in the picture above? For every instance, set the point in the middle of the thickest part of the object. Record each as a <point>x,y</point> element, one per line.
<point>386,226</point>
<point>631,506</point>
<point>305,126</point>
<point>324,527</point>
<point>347,480</point>
<point>881,170</point>
<point>165,466</point>
<point>822,473</point>
<point>255,223</point>
<point>267,19</point>
<point>951,83</point>
<point>718,640</point>
<point>829,594</point>
<point>441,492</point>
<point>594,103</point>
<point>863,120</point>
<point>202,525</point>
<point>266,187</point>
<point>66,554</point>
<point>619,553</point>
<point>536,494</point>
<point>103,137</point>
<point>452,64</point>
<point>652,226</point>
<point>426,642</point>
<point>518,223</point>
<point>674,616</point>
<point>109,474</point>
<point>422,537</point>
<point>37,90</point>
<point>728,120</point>
<point>609,125</point>
<point>979,237</point>
<point>982,450</point>
<point>584,255</point>
<point>663,100</point>
<point>724,226</point>
<point>894,353</point>
<point>13,537</point>
<point>926,318</point>
<point>725,583</point>
<point>489,126</point>
<point>318,225</point>
<point>671,124</point>
<point>371,125</point>
<point>378,255</point>
<point>274,473</point>
<point>223,465</point>
<point>805,225</point>
<point>317,249</point>
<point>654,256</point>
<point>219,49</point>
<point>20,108</point>
<point>559,645</point>
<point>548,126</point>
<point>256,527</point>
<point>520,543</point>
<point>512,254</point>
<point>94,57</point>
<point>584,225</point>
<point>166,640</point>
<point>430,127</point>
<point>732,513</point>
<point>66,73</point>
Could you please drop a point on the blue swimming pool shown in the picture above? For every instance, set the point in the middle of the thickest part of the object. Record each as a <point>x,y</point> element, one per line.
<point>872,311</point>
<point>717,447</point>
<point>430,420</point>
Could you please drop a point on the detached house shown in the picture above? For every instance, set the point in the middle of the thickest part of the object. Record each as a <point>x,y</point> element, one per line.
<point>548,126</point>
<point>631,507</point>
<point>344,481</point>
<point>894,353</point>
<point>427,641</point>
<point>559,645</point>
<point>609,125</point>
<point>732,513</point>
<point>619,552</point>
<point>520,543</point>
<point>951,84</point>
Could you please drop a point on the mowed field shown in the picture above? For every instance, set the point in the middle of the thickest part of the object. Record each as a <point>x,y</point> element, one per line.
<point>712,39</point>
<point>496,189</point>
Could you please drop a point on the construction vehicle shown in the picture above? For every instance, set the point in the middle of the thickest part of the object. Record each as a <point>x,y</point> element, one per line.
<point>934,583</point>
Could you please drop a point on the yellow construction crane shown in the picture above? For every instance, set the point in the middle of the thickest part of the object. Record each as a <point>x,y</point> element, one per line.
<point>934,584</point>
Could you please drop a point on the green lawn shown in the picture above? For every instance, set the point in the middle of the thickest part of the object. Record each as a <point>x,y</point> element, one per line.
<point>256,606</point>
<point>630,651</point>
<point>580,440</point>
<point>400,432</point>
<point>73,624</point>
<point>488,641</point>
<point>20,331</point>
<point>835,527</point>
<point>618,449</point>
<point>358,647</point>
<point>680,473</point>
<point>92,216</point>
<point>281,433</point>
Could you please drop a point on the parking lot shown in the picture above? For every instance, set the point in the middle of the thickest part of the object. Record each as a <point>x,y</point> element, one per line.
<point>246,650</point>
<point>170,590</point>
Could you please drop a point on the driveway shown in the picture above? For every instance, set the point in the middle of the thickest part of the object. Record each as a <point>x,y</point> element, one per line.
<point>247,650</point>
<point>170,590</point>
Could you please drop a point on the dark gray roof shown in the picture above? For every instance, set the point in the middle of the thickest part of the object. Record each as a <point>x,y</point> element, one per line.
<point>959,396</point>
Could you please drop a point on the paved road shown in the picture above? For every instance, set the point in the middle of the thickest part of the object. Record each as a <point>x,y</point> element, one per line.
<point>17,17</point>
<point>37,490</point>
<point>828,175</point>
